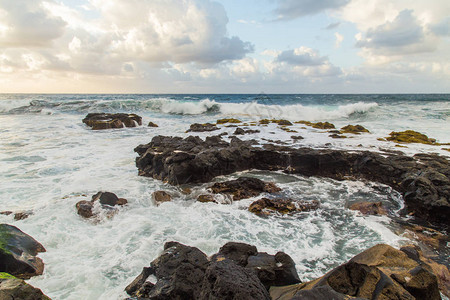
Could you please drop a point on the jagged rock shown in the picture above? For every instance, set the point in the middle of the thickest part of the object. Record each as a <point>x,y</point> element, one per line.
<point>18,253</point>
<point>133,288</point>
<point>107,200</point>
<point>161,197</point>
<point>369,208</point>
<point>22,215</point>
<point>14,288</point>
<point>423,180</point>
<point>202,127</point>
<point>239,252</point>
<point>206,198</point>
<point>274,270</point>
<point>151,124</point>
<point>380,272</point>
<point>355,129</point>
<point>265,206</point>
<point>244,187</point>
<point>224,279</point>
<point>100,121</point>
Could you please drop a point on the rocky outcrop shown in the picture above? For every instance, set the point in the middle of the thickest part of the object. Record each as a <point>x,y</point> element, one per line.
<point>380,272</point>
<point>107,201</point>
<point>410,136</point>
<point>266,206</point>
<point>18,253</point>
<point>15,288</point>
<point>244,187</point>
<point>369,208</point>
<point>100,121</point>
<point>237,271</point>
<point>151,124</point>
<point>202,127</point>
<point>161,197</point>
<point>423,179</point>
<point>355,129</point>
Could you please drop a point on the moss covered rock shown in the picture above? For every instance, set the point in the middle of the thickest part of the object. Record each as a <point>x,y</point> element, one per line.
<point>355,129</point>
<point>410,136</point>
<point>18,253</point>
<point>14,288</point>
<point>229,120</point>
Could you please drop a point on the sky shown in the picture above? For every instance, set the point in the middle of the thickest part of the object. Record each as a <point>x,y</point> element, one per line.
<point>224,46</point>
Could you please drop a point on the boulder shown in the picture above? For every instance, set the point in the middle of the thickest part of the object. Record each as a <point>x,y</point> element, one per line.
<point>15,288</point>
<point>206,198</point>
<point>151,124</point>
<point>355,129</point>
<point>100,121</point>
<point>229,120</point>
<point>369,208</point>
<point>323,125</point>
<point>410,136</point>
<point>297,137</point>
<point>266,206</point>
<point>224,279</point>
<point>202,127</point>
<point>244,187</point>
<point>284,123</point>
<point>239,131</point>
<point>107,200</point>
<point>22,215</point>
<point>161,197</point>
<point>423,180</point>
<point>238,252</point>
<point>18,253</point>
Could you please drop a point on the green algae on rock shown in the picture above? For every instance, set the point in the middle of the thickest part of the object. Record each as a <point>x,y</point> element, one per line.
<point>230,120</point>
<point>355,129</point>
<point>410,136</point>
<point>318,125</point>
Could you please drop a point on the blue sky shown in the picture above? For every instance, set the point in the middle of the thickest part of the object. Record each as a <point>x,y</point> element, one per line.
<point>225,46</point>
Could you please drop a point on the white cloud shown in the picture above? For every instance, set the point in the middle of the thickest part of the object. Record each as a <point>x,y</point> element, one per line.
<point>302,56</point>
<point>339,39</point>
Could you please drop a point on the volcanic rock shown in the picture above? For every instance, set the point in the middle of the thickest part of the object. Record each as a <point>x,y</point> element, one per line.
<point>15,288</point>
<point>239,252</point>
<point>107,200</point>
<point>202,127</point>
<point>244,187</point>
<point>18,253</point>
<point>423,180</point>
<point>369,208</point>
<point>266,206</point>
<point>107,121</point>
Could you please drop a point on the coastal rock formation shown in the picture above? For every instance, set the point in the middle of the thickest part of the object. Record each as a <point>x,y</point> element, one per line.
<point>18,253</point>
<point>15,288</point>
<point>410,136</point>
<point>266,206</point>
<point>202,127</point>
<point>355,129</point>
<point>237,271</point>
<point>369,208</point>
<point>100,121</point>
<point>423,179</point>
<point>244,187</point>
<point>106,200</point>
<point>229,120</point>
<point>151,124</point>
<point>161,196</point>
<point>380,272</point>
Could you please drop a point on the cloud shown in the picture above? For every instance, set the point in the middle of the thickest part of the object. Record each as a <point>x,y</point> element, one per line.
<point>333,26</point>
<point>442,28</point>
<point>339,39</point>
<point>302,56</point>
<point>292,9</point>
<point>25,23</point>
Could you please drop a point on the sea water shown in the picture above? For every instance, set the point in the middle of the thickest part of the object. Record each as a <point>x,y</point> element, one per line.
<point>49,160</point>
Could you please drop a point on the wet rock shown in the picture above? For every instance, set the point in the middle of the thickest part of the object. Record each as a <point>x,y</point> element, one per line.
<point>224,279</point>
<point>238,252</point>
<point>297,137</point>
<point>239,131</point>
<point>380,272</point>
<point>161,197</point>
<point>135,288</point>
<point>284,123</point>
<point>202,127</point>
<point>274,270</point>
<point>337,136</point>
<point>206,198</point>
<point>355,129</point>
<point>323,125</point>
<point>6,213</point>
<point>151,124</point>
<point>192,160</point>
<point>100,121</point>
<point>22,215</point>
<point>107,201</point>
<point>266,206</point>
<point>229,120</point>
<point>244,187</point>
<point>370,208</point>
<point>410,136</point>
<point>18,253</point>
<point>14,288</point>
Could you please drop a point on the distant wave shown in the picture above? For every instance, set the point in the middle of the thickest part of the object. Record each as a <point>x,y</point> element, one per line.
<point>189,107</point>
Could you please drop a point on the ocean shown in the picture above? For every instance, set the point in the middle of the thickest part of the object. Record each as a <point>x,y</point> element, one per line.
<point>50,160</point>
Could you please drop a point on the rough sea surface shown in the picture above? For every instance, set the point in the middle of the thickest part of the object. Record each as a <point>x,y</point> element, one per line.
<point>49,160</point>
